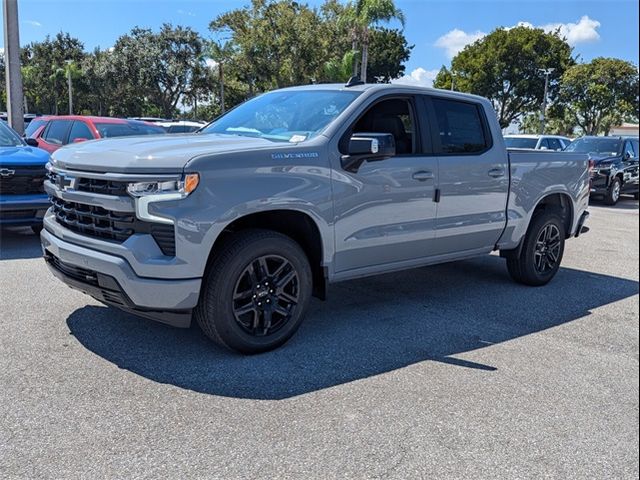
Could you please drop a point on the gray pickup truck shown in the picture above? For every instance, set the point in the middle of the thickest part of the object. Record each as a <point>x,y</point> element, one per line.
<point>238,225</point>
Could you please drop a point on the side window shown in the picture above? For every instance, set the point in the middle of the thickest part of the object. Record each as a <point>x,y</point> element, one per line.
<point>554,144</point>
<point>394,116</point>
<point>628,149</point>
<point>56,132</point>
<point>635,148</point>
<point>460,127</point>
<point>80,130</point>
<point>544,144</point>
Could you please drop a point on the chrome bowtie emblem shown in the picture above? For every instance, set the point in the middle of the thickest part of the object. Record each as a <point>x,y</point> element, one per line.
<point>5,172</point>
<point>65,182</point>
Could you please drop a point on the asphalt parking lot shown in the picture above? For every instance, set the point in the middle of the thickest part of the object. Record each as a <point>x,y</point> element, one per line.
<point>443,372</point>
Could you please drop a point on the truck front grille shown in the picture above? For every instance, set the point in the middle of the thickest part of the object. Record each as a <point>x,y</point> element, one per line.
<point>23,181</point>
<point>98,222</point>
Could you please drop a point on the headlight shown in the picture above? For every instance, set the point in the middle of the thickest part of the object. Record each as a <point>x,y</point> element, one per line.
<point>152,192</point>
<point>184,186</point>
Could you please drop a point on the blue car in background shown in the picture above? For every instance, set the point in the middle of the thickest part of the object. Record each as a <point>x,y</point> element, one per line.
<point>23,201</point>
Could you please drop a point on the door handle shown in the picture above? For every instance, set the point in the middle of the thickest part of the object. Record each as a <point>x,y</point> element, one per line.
<point>496,172</point>
<point>423,176</point>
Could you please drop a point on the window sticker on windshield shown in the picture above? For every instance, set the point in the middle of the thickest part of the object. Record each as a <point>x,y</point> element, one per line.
<point>297,138</point>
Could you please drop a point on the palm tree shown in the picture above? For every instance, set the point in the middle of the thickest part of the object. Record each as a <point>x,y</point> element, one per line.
<point>340,70</point>
<point>361,15</point>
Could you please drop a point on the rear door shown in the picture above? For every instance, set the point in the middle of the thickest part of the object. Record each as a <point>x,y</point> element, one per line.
<point>630,158</point>
<point>473,174</point>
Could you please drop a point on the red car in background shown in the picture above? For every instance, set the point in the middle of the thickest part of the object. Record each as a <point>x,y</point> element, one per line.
<point>53,132</point>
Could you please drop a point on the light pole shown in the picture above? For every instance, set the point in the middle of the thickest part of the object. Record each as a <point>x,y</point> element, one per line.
<point>543,110</point>
<point>15,112</point>
<point>69,62</point>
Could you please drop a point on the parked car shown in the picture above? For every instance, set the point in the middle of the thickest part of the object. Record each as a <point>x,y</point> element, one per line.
<point>23,200</point>
<point>181,126</point>
<point>537,142</point>
<point>237,226</point>
<point>53,132</point>
<point>616,165</point>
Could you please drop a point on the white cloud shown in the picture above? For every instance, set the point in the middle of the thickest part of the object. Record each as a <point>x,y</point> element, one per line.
<point>33,23</point>
<point>455,40</point>
<point>585,30</point>
<point>418,77</point>
<point>184,12</point>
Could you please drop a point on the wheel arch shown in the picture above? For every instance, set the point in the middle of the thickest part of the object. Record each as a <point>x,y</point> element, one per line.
<point>295,224</point>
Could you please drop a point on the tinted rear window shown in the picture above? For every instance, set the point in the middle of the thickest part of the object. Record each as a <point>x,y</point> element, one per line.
<point>460,127</point>
<point>521,142</point>
<point>108,130</point>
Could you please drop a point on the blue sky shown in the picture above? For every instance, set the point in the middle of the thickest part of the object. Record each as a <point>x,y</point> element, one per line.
<point>437,28</point>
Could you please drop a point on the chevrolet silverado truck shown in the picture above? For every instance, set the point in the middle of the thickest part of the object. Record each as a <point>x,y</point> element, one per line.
<point>615,165</point>
<point>238,225</point>
<point>23,201</point>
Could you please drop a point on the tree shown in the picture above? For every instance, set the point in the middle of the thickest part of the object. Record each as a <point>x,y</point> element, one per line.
<point>388,50</point>
<point>600,94</point>
<point>277,43</point>
<point>505,67</point>
<point>45,63</point>
<point>157,68</point>
<point>221,52</point>
<point>363,15</point>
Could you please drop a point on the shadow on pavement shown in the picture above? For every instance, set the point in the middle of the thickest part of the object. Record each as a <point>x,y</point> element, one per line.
<point>625,203</point>
<point>18,243</point>
<point>367,327</point>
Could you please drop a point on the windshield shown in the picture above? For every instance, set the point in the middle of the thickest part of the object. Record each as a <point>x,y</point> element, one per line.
<point>9,138</point>
<point>108,130</point>
<point>285,116</point>
<point>599,146</point>
<point>518,142</point>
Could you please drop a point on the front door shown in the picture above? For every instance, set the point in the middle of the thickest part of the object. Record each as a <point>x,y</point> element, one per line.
<point>385,211</point>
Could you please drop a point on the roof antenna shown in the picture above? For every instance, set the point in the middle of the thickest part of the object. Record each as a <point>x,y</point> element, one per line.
<point>353,81</point>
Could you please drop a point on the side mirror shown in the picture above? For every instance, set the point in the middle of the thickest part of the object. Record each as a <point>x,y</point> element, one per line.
<point>544,148</point>
<point>627,155</point>
<point>32,142</point>
<point>80,140</point>
<point>368,147</point>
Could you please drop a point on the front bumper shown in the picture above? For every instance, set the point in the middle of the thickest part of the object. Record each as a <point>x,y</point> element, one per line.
<point>23,209</point>
<point>111,280</point>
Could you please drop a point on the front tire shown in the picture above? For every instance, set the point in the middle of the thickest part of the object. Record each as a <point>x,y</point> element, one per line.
<point>542,252</point>
<point>613,192</point>
<point>36,229</point>
<point>256,292</point>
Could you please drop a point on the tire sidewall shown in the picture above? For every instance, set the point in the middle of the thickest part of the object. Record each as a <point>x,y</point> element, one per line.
<point>226,326</point>
<point>539,223</point>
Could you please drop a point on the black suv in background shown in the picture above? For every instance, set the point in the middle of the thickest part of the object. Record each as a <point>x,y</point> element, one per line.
<point>616,165</point>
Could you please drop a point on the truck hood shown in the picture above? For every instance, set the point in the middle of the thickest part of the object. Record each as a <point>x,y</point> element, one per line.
<point>13,156</point>
<point>150,154</point>
<point>603,160</point>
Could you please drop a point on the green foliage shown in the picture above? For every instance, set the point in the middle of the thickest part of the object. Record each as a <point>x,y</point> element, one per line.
<point>266,45</point>
<point>505,67</point>
<point>388,50</point>
<point>600,94</point>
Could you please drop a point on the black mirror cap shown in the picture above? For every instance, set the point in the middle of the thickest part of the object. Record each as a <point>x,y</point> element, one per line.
<point>32,142</point>
<point>370,147</point>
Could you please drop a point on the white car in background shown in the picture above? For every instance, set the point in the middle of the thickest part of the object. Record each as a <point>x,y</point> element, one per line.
<point>181,126</point>
<point>537,142</point>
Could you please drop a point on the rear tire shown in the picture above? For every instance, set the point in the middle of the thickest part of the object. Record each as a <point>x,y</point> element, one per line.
<point>613,192</point>
<point>542,251</point>
<point>256,292</point>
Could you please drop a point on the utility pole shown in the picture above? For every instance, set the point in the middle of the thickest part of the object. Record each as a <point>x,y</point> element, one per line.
<point>15,111</point>
<point>543,110</point>
<point>69,62</point>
